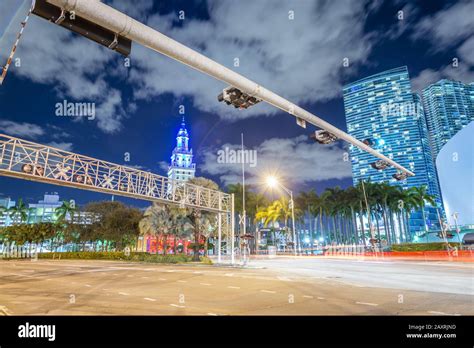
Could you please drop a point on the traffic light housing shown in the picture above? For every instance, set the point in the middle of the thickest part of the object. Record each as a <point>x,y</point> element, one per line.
<point>82,27</point>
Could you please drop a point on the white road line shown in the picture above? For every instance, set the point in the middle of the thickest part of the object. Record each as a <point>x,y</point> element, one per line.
<point>285,279</point>
<point>170,271</point>
<point>234,287</point>
<point>442,313</point>
<point>229,274</point>
<point>367,304</point>
<point>5,310</point>
<point>321,298</point>
<point>206,284</point>
<point>149,299</point>
<point>268,291</point>
<point>213,314</point>
<point>175,305</point>
<point>197,272</point>
<point>89,286</point>
<point>182,281</point>
<point>124,293</point>
<point>306,296</point>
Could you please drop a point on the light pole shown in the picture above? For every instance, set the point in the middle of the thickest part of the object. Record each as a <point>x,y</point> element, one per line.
<point>455,217</point>
<point>272,182</point>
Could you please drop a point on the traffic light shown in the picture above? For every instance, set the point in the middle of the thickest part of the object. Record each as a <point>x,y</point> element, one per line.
<point>82,27</point>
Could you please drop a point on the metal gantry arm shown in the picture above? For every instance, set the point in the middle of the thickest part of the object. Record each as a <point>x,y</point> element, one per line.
<point>118,22</point>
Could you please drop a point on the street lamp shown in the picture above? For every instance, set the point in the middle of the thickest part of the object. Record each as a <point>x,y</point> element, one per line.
<point>273,182</point>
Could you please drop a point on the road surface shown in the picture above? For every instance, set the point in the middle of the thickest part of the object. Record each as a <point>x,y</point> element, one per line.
<point>281,286</point>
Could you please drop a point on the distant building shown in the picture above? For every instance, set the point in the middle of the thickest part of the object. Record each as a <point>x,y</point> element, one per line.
<point>449,107</point>
<point>382,110</point>
<point>182,167</point>
<point>45,209</point>
<point>5,204</point>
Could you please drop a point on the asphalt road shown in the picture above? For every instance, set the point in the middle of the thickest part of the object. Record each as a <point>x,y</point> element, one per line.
<point>282,286</point>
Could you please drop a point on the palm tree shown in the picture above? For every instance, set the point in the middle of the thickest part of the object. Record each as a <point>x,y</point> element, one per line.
<point>201,221</point>
<point>157,220</point>
<point>20,210</point>
<point>423,197</point>
<point>67,208</point>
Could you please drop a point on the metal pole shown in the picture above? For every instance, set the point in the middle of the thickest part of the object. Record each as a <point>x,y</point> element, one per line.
<point>232,228</point>
<point>293,223</point>
<point>244,215</point>
<point>118,22</point>
<point>455,217</point>
<point>219,231</point>
<point>368,211</point>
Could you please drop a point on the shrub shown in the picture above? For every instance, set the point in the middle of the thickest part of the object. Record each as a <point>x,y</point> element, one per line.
<point>422,246</point>
<point>120,256</point>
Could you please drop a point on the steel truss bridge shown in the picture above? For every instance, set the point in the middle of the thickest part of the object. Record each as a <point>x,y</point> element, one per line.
<point>35,162</point>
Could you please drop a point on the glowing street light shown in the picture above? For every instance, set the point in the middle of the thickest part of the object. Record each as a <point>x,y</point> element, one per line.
<point>273,182</point>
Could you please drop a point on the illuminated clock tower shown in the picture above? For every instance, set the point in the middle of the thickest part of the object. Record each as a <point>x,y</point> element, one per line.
<point>182,167</point>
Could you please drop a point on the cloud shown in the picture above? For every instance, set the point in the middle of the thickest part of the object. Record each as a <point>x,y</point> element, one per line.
<point>21,129</point>
<point>294,159</point>
<point>447,27</point>
<point>76,67</point>
<point>61,145</point>
<point>300,59</point>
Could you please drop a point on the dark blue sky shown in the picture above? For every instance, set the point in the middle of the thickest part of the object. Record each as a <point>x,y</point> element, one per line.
<point>148,124</point>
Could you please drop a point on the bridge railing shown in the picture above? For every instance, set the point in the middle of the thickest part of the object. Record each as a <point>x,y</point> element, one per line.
<point>36,162</point>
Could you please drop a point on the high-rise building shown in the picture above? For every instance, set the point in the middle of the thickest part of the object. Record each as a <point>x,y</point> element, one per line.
<point>182,167</point>
<point>449,107</point>
<point>383,111</point>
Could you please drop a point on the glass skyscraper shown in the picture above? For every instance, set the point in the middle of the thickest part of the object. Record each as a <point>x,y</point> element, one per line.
<point>449,106</point>
<point>383,109</point>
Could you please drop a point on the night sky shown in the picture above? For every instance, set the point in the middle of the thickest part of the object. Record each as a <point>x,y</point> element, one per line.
<point>300,59</point>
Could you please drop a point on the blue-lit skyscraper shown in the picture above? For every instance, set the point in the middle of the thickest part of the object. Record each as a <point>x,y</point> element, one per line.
<point>449,107</point>
<point>182,167</point>
<point>382,109</point>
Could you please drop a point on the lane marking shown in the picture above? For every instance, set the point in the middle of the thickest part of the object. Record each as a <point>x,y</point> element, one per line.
<point>175,305</point>
<point>442,313</point>
<point>321,298</point>
<point>149,299</point>
<point>234,287</point>
<point>268,291</point>
<point>285,279</point>
<point>367,304</point>
<point>306,296</point>
<point>229,274</point>
<point>213,314</point>
<point>5,310</point>
<point>170,271</point>
<point>89,286</point>
<point>124,293</point>
<point>205,284</point>
<point>182,281</point>
<point>197,272</point>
